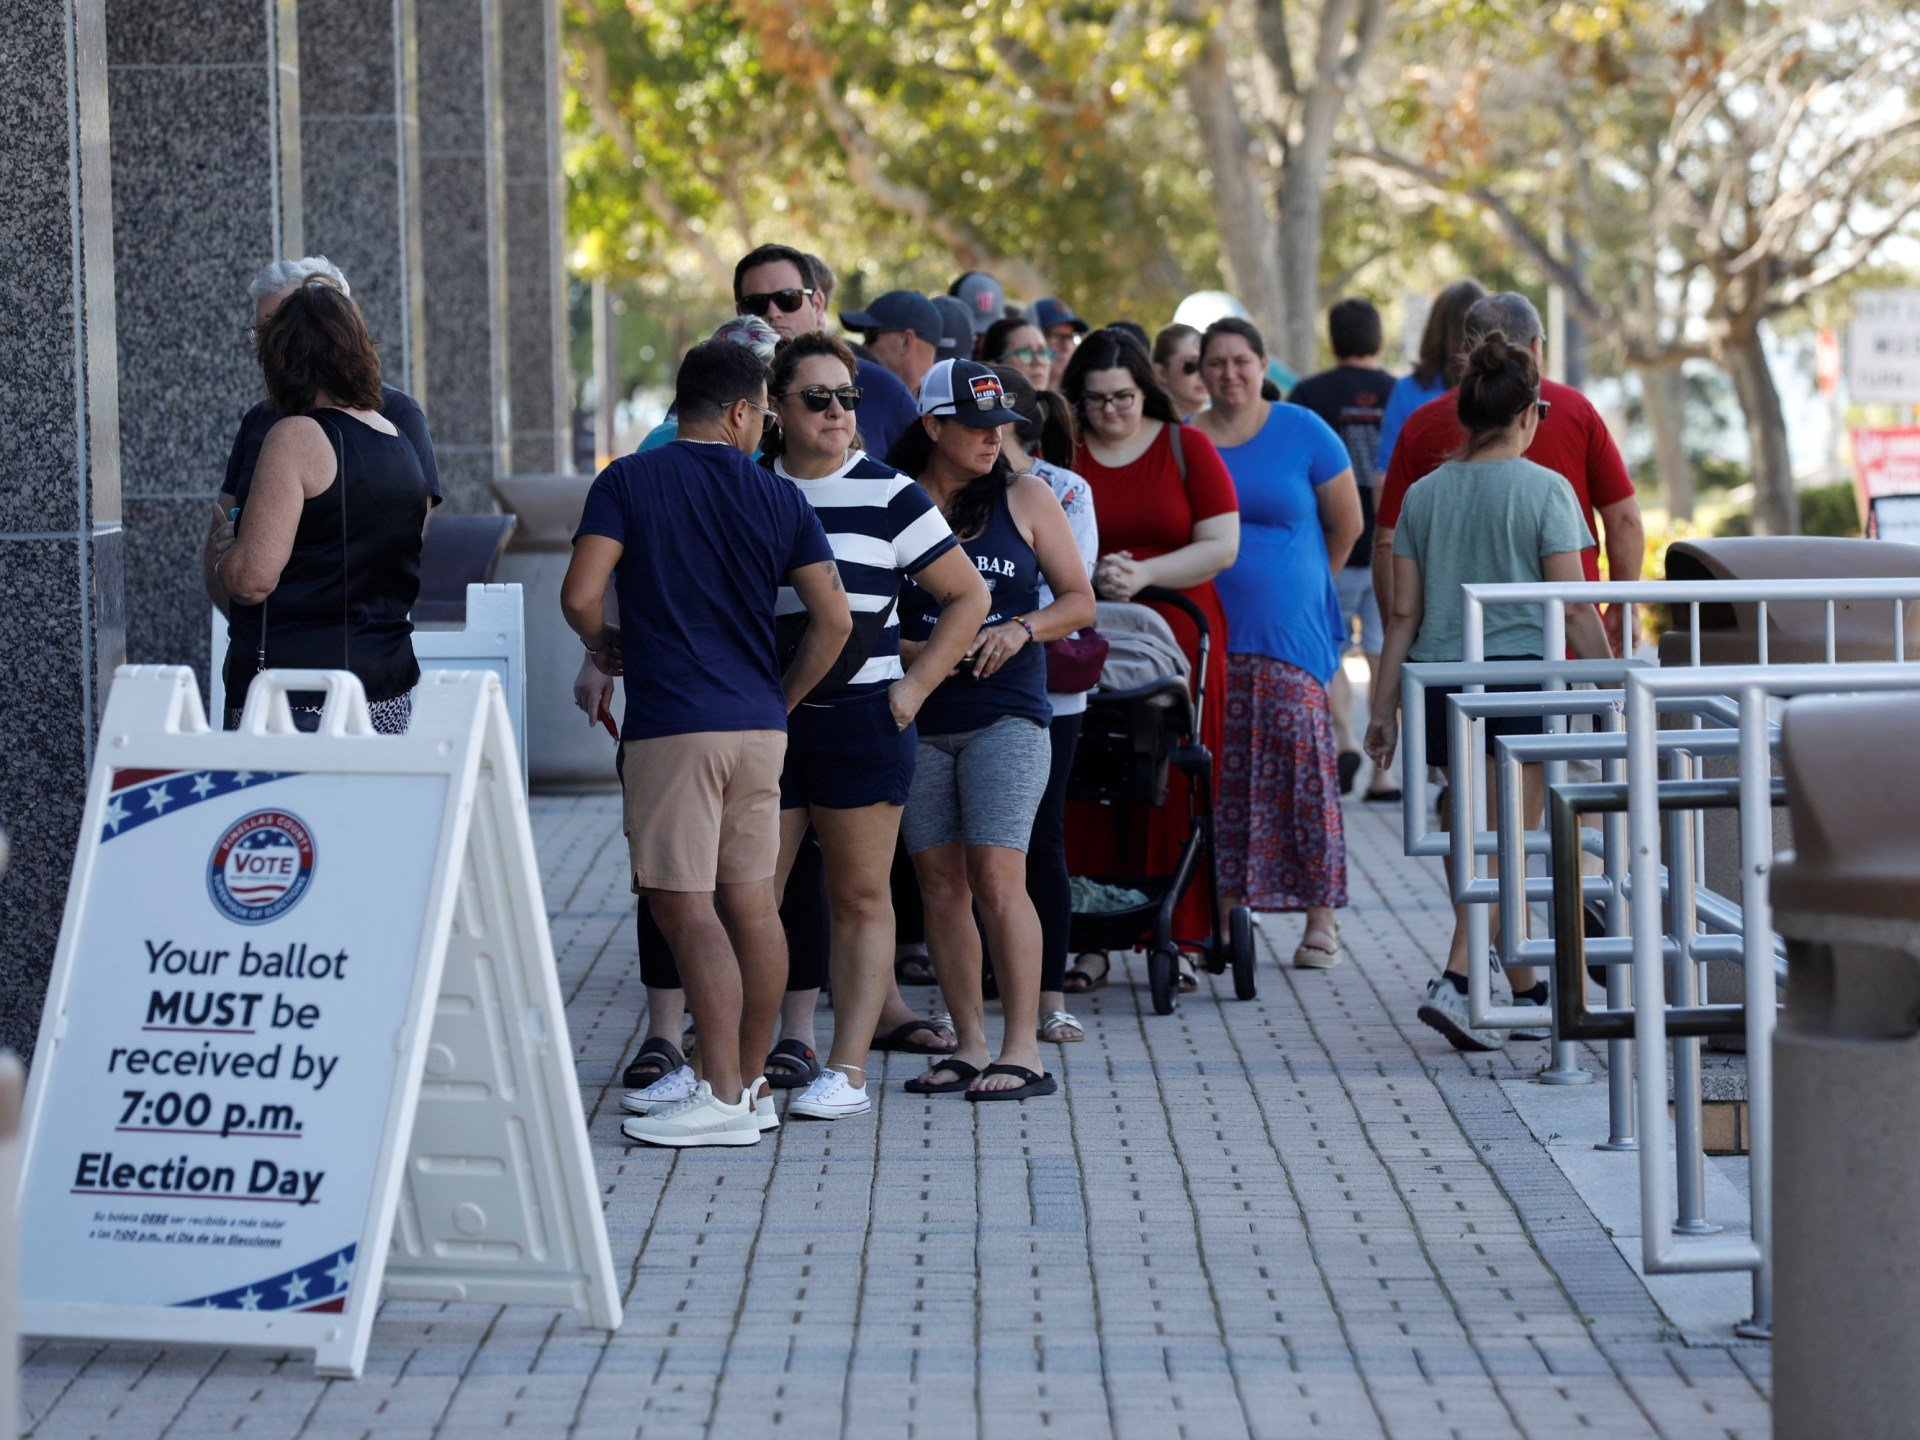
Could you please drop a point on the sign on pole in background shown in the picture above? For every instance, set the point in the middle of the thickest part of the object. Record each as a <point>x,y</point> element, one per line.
<point>1883,348</point>
<point>304,990</point>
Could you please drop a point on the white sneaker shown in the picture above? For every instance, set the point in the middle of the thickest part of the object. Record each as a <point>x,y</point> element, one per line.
<point>831,1097</point>
<point>763,1111</point>
<point>703,1118</point>
<point>1445,1009</point>
<point>670,1089</point>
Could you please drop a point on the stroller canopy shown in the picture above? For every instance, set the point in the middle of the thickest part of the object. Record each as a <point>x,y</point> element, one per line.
<point>1141,648</point>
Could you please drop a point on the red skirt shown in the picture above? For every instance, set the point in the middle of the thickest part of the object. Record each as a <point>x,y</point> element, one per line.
<point>1283,843</point>
<point>1146,840</point>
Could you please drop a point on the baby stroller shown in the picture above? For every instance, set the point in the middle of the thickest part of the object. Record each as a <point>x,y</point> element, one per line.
<point>1142,719</point>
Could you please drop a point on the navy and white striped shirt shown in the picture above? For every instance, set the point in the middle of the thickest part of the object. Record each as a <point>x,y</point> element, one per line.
<point>882,526</point>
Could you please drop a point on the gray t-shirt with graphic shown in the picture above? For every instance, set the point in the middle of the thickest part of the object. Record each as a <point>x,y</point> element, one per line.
<point>1485,522</point>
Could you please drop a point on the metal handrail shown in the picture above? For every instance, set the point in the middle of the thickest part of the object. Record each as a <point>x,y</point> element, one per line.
<point>13,1090</point>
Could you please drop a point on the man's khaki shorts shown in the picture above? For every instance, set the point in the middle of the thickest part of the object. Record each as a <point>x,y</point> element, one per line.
<point>703,809</point>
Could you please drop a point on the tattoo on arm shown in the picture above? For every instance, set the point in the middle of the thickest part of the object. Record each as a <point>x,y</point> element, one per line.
<point>833,574</point>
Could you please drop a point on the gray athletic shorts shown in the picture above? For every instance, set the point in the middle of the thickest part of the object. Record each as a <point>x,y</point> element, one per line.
<point>980,786</point>
<point>1355,587</point>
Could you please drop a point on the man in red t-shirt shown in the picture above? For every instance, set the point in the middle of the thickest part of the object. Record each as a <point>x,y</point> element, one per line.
<point>1572,439</point>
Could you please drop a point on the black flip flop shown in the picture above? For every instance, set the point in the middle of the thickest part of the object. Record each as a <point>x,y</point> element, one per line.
<point>1383,797</point>
<point>915,969</point>
<point>1349,769</point>
<point>657,1058</point>
<point>895,1041</point>
<point>1034,1085</point>
<point>791,1066</point>
<point>1088,980</point>
<point>966,1072</point>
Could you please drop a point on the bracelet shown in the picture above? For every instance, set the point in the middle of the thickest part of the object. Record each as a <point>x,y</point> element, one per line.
<point>606,638</point>
<point>1021,621</point>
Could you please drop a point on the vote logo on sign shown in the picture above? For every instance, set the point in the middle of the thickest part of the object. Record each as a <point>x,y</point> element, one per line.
<point>261,867</point>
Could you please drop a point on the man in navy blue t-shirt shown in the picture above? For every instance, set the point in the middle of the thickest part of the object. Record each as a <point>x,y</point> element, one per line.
<point>779,284</point>
<point>698,541</point>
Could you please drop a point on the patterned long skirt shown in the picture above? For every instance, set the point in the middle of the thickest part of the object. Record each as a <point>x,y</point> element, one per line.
<point>1282,842</point>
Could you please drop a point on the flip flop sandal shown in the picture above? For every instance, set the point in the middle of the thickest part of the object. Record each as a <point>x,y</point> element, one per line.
<point>1058,1021</point>
<point>895,1040</point>
<point>1033,1085</point>
<point>1088,980</point>
<point>791,1066</point>
<point>920,1085</point>
<point>1383,797</point>
<point>915,969</point>
<point>1308,956</point>
<point>657,1057</point>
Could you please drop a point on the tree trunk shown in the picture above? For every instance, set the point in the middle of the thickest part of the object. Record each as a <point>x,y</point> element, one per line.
<point>1776,509</point>
<point>1301,212</point>
<point>1663,396</point>
<point>1246,230</point>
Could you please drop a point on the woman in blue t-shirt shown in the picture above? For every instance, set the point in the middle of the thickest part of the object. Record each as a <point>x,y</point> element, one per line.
<point>984,747</point>
<point>1282,845</point>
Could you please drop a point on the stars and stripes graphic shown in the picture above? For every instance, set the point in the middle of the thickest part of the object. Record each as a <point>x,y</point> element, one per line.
<point>318,1287</point>
<point>142,795</point>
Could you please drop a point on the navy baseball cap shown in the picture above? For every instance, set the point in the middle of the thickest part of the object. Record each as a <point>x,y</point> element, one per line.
<point>1050,312</point>
<point>984,297</point>
<point>899,310</point>
<point>957,343</point>
<point>967,391</point>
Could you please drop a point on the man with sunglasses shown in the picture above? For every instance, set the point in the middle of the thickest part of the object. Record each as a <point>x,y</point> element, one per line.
<point>780,285</point>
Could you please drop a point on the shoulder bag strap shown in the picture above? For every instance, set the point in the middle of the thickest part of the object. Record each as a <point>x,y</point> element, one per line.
<point>340,480</point>
<point>1179,443</point>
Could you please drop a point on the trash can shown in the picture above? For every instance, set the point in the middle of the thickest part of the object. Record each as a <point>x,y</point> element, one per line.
<point>1846,1175</point>
<point>563,750</point>
<point>1796,635</point>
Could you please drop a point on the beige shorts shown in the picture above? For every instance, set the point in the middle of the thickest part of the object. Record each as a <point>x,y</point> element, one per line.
<point>703,809</point>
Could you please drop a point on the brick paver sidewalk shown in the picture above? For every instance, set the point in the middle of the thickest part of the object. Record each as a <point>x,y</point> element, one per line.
<point>1300,1216</point>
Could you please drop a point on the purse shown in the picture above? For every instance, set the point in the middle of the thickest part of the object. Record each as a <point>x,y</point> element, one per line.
<point>1074,661</point>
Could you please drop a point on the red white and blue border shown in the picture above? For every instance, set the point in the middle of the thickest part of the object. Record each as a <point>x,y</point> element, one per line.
<point>318,1287</point>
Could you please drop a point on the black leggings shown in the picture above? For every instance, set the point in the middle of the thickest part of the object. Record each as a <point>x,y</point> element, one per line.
<point>803,915</point>
<point>909,917</point>
<point>1047,884</point>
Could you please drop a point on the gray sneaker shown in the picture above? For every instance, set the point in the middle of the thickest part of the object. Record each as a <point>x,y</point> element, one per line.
<point>703,1118</point>
<point>1536,1029</point>
<point>1445,1009</point>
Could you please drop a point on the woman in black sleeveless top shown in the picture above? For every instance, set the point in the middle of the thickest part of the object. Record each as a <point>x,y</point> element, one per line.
<point>325,562</point>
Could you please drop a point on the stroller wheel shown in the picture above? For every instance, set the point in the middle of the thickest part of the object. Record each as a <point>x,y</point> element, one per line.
<point>1240,945</point>
<point>1163,971</point>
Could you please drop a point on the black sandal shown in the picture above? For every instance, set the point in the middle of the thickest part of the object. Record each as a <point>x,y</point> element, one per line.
<point>1034,1085</point>
<point>1086,978</point>
<point>915,969</point>
<point>895,1040</point>
<point>920,1085</point>
<point>657,1059</point>
<point>792,1066</point>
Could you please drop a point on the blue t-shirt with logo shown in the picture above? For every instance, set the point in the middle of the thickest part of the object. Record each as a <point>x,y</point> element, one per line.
<point>708,539</point>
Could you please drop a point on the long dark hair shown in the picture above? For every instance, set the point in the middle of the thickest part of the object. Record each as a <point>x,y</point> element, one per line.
<point>787,356</point>
<point>968,511</point>
<point>1500,382</point>
<point>1045,428</point>
<point>1444,339</point>
<point>1112,349</point>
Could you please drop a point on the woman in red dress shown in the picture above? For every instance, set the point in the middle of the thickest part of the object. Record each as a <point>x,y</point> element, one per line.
<point>1158,526</point>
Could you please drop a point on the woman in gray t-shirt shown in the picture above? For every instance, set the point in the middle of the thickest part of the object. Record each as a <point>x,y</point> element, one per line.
<point>1489,517</point>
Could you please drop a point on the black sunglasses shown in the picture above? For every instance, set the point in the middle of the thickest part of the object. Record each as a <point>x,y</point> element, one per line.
<point>788,301</point>
<point>1189,367</point>
<point>818,397</point>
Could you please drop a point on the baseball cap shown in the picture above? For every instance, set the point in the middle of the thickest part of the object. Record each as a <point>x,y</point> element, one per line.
<point>1050,312</point>
<point>967,391</point>
<point>984,297</point>
<point>957,343</point>
<point>898,310</point>
<point>751,331</point>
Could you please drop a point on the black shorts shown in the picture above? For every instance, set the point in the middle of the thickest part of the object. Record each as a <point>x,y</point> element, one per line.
<point>847,756</point>
<point>1436,717</point>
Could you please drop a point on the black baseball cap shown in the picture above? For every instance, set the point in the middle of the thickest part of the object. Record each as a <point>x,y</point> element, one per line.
<point>899,310</point>
<point>957,343</point>
<point>967,391</point>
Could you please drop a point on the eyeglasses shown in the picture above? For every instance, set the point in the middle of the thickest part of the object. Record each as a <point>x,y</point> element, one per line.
<point>764,411</point>
<point>1541,407</point>
<point>788,301</point>
<point>1118,400</point>
<point>1025,355</point>
<point>818,397</point>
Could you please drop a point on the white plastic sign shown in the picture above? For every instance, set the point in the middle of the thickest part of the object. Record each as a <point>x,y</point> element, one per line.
<point>304,990</point>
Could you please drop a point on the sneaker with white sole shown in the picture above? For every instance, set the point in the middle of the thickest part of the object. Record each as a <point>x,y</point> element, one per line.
<point>670,1089</point>
<point>1538,1029</point>
<point>703,1118</point>
<point>831,1097</point>
<point>763,1111</point>
<point>1445,1009</point>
